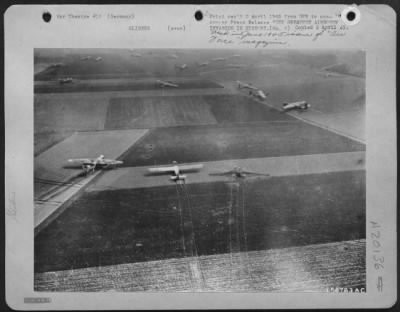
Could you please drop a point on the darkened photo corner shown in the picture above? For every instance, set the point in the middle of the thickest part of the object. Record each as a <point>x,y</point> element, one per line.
<point>199,170</point>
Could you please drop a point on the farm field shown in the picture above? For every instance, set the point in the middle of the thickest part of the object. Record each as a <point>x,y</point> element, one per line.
<point>330,96</point>
<point>51,167</point>
<point>212,232</point>
<point>59,115</point>
<point>217,142</point>
<point>152,112</point>
<point>118,85</point>
<point>271,270</point>
<point>45,140</point>
<point>139,177</point>
<point>69,114</point>
<point>123,226</point>
<point>326,94</point>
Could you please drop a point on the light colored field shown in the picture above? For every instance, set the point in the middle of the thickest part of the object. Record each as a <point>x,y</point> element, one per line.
<point>337,101</point>
<point>49,166</point>
<point>350,124</point>
<point>136,177</point>
<point>307,268</point>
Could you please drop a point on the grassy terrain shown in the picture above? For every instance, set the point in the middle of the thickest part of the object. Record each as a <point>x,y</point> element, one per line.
<point>123,226</point>
<point>73,66</point>
<point>43,141</point>
<point>151,112</point>
<point>56,116</point>
<point>327,95</point>
<point>116,85</point>
<point>304,268</point>
<point>218,142</point>
<point>137,225</point>
<point>162,61</point>
<point>238,108</point>
<point>69,114</point>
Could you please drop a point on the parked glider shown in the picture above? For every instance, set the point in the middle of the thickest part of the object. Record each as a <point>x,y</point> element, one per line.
<point>89,165</point>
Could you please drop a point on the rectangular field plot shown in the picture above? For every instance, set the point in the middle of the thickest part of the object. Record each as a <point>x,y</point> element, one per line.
<point>126,226</point>
<point>150,112</point>
<point>69,113</point>
<point>239,108</point>
<point>218,142</point>
<point>103,85</point>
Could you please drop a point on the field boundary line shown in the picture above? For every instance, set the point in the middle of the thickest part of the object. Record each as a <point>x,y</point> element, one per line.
<point>325,127</point>
<point>317,124</point>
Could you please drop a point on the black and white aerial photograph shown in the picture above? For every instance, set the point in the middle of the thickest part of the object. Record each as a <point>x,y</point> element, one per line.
<point>208,170</point>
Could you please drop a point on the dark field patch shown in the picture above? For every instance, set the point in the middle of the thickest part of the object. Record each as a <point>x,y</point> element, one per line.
<point>44,141</point>
<point>124,226</point>
<point>218,142</point>
<point>110,66</point>
<point>50,74</point>
<point>150,112</point>
<point>69,114</point>
<point>238,108</point>
<point>116,85</point>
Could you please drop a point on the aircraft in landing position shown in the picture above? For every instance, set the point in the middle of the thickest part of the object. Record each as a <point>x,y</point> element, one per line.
<point>163,84</point>
<point>176,170</point>
<point>65,80</point>
<point>136,54</point>
<point>89,165</point>
<point>56,65</point>
<point>258,94</point>
<point>235,65</point>
<point>254,91</point>
<point>217,59</point>
<point>181,67</point>
<point>239,172</point>
<point>243,85</point>
<point>301,105</point>
<point>204,64</point>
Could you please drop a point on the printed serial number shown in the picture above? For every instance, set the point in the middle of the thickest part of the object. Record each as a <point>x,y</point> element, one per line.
<point>378,258</point>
